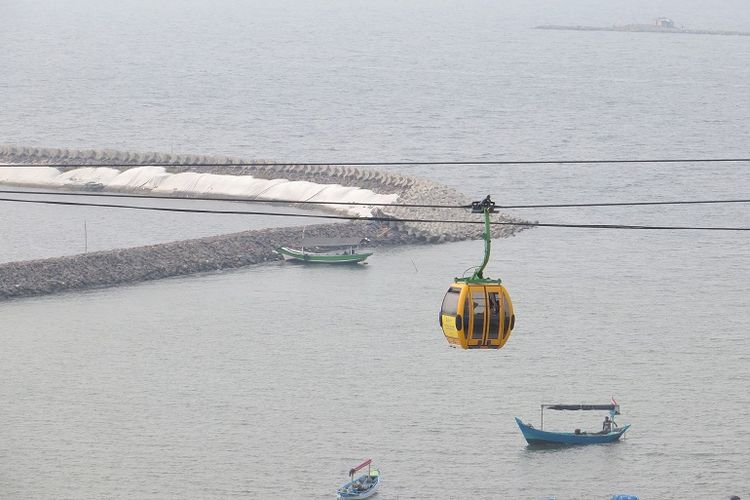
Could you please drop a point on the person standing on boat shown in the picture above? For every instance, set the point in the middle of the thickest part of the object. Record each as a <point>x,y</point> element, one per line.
<point>607,425</point>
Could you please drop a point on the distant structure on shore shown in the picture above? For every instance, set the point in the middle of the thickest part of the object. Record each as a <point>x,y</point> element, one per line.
<point>660,25</point>
<point>664,22</point>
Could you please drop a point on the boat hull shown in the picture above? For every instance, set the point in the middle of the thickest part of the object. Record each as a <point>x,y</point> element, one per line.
<point>545,438</point>
<point>292,254</point>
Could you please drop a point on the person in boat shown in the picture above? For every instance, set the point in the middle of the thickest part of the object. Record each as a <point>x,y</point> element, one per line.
<point>607,425</point>
<point>360,485</point>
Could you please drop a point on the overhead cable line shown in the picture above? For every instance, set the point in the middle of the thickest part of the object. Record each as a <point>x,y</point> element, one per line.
<point>367,204</point>
<point>377,219</point>
<point>232,199</point>
<point>393,163</point>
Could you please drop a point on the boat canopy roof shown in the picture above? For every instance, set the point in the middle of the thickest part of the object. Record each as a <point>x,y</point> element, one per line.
<point>364,464</point>
<point>331,242</point>
<point>608,407</point>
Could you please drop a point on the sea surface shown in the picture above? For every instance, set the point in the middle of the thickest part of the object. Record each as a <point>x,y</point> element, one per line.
<point>272,381</point>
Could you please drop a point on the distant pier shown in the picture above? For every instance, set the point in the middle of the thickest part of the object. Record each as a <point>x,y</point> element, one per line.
<point>643,28</point>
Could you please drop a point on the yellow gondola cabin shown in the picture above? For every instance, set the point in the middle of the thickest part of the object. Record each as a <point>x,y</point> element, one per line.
<point>477,316</point>
<point>477,312</point>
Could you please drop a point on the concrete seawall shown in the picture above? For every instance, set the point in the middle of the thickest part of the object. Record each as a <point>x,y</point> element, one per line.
<point>110,268</point>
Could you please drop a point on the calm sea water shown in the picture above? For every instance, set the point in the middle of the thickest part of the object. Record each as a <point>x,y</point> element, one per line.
<point>271,381</point>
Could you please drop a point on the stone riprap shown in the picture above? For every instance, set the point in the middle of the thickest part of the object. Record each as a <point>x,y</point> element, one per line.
<point>109,268</point>
<point>132,265</point>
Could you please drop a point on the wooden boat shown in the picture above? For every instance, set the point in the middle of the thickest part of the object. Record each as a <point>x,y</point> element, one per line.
<point>363,486</point>
<point>539,436</point>
<point>326,251</point>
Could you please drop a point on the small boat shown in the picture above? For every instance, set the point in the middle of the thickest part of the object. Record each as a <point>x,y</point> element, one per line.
<point>326,251</point>
<point>363,486</point>
<point>610,432</point>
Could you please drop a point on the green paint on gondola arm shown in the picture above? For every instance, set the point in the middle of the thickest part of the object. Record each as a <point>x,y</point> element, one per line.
<point>487,246</point>
<point>478,277</point>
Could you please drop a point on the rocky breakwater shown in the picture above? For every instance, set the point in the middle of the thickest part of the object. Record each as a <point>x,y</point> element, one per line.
<point>110,268</point>
<point>132,265</point>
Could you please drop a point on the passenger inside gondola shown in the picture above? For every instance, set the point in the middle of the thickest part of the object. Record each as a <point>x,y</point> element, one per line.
<point>494,303</point>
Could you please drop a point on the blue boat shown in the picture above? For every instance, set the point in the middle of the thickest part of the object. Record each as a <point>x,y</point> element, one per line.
<point>609,434</point>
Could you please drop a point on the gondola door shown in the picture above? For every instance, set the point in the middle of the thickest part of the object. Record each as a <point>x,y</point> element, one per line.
<point>486,328</point>
<point>494,325</point>
<point>477,328</point>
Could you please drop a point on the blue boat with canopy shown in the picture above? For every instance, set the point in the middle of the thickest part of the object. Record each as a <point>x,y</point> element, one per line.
<point>610,432</point>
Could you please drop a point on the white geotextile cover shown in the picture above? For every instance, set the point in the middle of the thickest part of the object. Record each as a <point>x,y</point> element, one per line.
<point>158,181</point>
